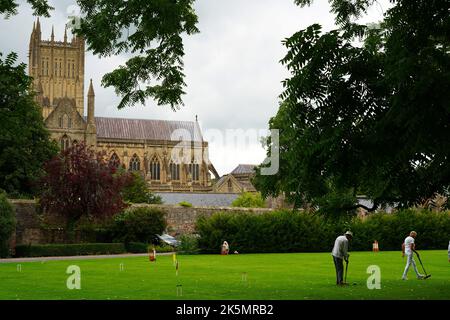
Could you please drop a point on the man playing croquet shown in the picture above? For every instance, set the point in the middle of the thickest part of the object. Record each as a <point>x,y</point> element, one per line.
<point>408,248</point>
<point>340,253</point>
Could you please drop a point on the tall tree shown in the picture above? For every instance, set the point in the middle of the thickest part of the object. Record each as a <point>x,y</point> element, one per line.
<point>80,183</point>
<point>24,140</point>
<point>366,109</point>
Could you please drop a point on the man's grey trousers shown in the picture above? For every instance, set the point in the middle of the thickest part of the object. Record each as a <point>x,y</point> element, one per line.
<point>339,266</point>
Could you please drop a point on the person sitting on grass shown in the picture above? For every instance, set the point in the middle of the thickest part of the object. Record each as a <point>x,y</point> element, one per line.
<point>225,248</point>
<point>340,253</point>
<point>408,248</point>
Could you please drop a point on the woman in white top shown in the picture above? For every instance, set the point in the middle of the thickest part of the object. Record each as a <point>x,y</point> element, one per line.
<point>408,249</point>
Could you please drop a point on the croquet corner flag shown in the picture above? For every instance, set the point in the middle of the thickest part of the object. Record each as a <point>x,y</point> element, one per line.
<point>174,258</point>
<point>152,255</point>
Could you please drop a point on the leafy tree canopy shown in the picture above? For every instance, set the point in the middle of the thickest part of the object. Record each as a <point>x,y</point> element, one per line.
<point>137,191</point>
<point>366,109</point>
<point>80,183</point>
<point>24,140</point>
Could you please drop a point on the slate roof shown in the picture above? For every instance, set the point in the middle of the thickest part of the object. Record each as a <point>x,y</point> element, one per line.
<point>140,129</point>
<point>244,169</point>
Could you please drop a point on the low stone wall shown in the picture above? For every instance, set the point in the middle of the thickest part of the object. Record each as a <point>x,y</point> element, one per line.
<point>28,226</point>
<point>181,220</point>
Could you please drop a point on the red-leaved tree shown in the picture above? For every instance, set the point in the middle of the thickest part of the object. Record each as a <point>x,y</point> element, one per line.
<point>80,183</point>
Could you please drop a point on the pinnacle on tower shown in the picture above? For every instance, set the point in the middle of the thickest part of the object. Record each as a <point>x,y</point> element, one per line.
<point>65,34</point>
<point>53,33</point>
<point>91,89</point>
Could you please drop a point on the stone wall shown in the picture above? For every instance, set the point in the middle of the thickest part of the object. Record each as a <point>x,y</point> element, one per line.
<point>28,225</point>
<point>181,220</point>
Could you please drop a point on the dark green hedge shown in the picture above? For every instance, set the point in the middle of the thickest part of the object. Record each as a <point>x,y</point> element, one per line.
<point>287,231</point>
<point>139,224</point>
<point>7,224</point>
<point>51,250</point>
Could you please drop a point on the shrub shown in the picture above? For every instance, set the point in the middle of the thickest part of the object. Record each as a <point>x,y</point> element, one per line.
<point>390,230</point>
<point>138,225</point>
<point>185,204</point>
<point>249,200</point>
<point>7,224</point>
<point>189,244</point>
<point>138,192</point>
<point>287,231</point>
<point>51,250</point>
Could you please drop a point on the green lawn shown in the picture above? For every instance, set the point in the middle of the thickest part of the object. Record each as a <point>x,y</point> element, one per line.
<point>269,276</point>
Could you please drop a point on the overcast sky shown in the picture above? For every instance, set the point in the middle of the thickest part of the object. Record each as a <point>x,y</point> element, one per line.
<point>232,68</point>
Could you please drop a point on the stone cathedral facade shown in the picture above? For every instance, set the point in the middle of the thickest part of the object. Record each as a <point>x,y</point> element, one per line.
<point>171,155</point>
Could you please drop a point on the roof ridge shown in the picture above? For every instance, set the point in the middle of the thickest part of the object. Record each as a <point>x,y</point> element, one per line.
<point>118,118</point>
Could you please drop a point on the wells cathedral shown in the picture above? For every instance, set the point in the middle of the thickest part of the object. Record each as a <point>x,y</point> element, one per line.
<point>144,146</point>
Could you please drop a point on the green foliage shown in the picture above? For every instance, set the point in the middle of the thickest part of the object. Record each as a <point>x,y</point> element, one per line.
<point>365,117</point>
<point>300,231</point>
<point>390,230</point>
<point>139,225</point>
<point>249,200</point>
<point>189,244</point>
<point>24,140</point>
<point>79,183</point>
<point>7,224</point>
<point>40,7</point>
<point>55,250</point>
<point>138,192</point>
<point>185,204</point>
<point>150,31</point>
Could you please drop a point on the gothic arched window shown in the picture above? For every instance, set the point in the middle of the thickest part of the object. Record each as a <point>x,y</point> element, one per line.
<point>114,161</point>
<point>135,163</point>
<point>174,171</point>
<point>230,186</point>
<point>194,170</point>
<point>65,143</point>
<point>155,169</point>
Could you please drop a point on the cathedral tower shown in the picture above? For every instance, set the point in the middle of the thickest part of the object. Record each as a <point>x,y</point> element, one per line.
<point>57,68</point>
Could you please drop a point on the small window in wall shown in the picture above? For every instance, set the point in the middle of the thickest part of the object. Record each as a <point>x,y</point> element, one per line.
<point>65,143</point>
<point>230,186</point>
<point>155,169</point>
<point>135,163</point>
<point>194,170</point>
<point>114,161</point>
<point>174,171</point>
